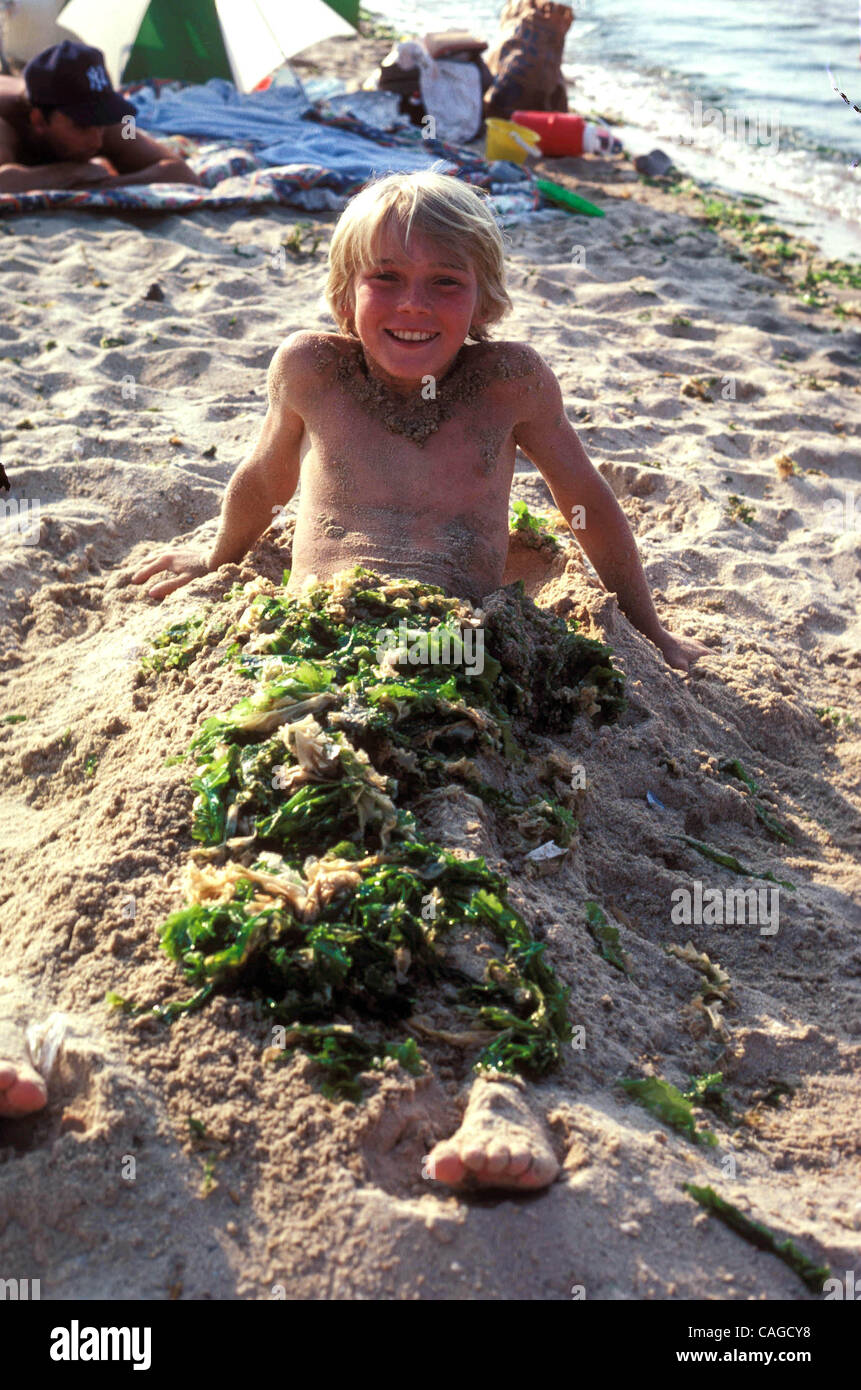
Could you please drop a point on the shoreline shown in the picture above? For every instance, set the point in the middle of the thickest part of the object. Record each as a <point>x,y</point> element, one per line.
<point>652,106</point>
<point>715,170</point>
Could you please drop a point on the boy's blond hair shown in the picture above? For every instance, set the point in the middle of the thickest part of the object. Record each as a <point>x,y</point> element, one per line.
<point>436,206</point>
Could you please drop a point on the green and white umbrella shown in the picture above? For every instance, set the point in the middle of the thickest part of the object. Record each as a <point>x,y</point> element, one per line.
<point>193,40</point>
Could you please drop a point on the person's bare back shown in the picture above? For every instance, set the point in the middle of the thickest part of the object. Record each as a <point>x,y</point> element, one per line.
<point>413,486</point>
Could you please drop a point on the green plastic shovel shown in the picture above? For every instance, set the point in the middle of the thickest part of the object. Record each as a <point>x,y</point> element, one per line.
<point>569,200</point>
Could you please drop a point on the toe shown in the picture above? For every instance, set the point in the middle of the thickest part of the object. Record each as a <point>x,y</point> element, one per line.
<point>24,1093</point>
<point>547,1168</point>
<point>498,1160</point>
<point>519,1161</point>
<point>474,1157</point>
<point>445,1165</point>
<point>541,1171</point>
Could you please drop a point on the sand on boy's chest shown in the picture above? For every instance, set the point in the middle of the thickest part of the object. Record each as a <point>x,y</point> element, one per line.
<point>418,414</point>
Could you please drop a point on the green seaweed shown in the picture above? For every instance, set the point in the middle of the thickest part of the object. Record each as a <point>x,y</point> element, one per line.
<point>776,1091</point>
<point>733,768</point>
<point>293,241</point>
<point>350,956</point>
<point>813,1275</point>
<point>374,26</point>
<point>534,529</point>
<point>738,510</point>
<point>342,1055</point>
<point>338,671</point>
<point>116,1001</point>
<point>667,1103</point>
<point>714,980</point>
<point>165,1012</point>
<point>606,937</point>
<point>729,861</point>
<point>537,820</point>
<point>176,647</point>
<point>830,716</point>
<point>772,824</point>
<point>342,730</point>
<point>208,809</point>
<point>709,1091</point>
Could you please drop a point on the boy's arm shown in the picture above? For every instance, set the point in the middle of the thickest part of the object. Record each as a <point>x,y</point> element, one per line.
<point>265,481</point>
<point>546,437</point>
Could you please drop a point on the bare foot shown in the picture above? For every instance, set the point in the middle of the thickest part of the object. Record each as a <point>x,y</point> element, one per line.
<point>22,1090</point>
<point>499,1144</point>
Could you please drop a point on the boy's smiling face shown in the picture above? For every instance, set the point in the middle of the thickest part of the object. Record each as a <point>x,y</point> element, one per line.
<point>413,310</point>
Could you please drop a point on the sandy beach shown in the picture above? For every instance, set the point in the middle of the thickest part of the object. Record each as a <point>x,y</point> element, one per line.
<point>714,381</point>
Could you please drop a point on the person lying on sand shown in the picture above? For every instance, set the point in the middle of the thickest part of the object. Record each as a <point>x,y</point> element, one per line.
<point>406,422</point>
<point>61,126</point>
<point>404,425</point>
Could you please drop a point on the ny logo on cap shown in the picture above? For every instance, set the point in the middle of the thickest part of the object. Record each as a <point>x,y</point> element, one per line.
<point>97,78</point>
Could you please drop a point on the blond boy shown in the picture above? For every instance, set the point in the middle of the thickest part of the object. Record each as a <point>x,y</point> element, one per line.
<point>404,423</point>
<point>404,426</point>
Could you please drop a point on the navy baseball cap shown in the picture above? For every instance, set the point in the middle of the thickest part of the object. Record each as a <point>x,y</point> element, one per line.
<point>71,77</point>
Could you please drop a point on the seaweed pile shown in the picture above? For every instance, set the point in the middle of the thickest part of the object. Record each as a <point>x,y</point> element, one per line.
<point>313,888</point>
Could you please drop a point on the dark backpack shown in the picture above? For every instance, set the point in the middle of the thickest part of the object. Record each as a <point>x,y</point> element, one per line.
<point>527,63</point>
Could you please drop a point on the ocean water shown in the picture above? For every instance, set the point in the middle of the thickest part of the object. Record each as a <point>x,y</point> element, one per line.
<point>736,91</point>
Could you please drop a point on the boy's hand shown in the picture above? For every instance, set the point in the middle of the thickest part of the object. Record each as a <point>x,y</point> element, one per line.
<point>185,564</point>
<point>680,652</point>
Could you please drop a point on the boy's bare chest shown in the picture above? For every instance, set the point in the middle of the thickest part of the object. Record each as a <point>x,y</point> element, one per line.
<point>403,445</point>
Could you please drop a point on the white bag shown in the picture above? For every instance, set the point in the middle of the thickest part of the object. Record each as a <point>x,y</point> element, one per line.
<point>451,92</point>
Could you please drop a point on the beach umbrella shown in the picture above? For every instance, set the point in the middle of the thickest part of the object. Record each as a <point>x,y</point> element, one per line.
<point>193,40</point>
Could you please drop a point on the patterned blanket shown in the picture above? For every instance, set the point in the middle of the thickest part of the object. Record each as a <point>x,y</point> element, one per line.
<point>239,175</point>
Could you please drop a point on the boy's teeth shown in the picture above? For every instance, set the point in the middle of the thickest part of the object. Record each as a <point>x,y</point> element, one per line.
<point>411,337</point>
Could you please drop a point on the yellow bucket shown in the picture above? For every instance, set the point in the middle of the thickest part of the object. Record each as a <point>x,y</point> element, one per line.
<point>507,140</point>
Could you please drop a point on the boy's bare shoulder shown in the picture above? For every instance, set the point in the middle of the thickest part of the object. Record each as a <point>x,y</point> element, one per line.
<point>517,370</point>
<point>302,357</point>
<point>510,361</point>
